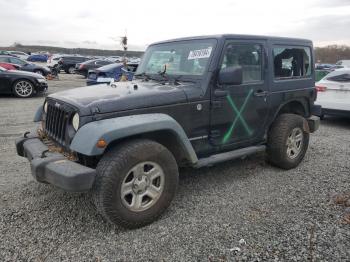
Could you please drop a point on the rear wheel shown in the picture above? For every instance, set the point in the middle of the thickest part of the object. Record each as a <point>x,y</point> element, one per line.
<point>71,70</point>
<point>135,183</point>
<point>287,141</point>
<point>23,88</point>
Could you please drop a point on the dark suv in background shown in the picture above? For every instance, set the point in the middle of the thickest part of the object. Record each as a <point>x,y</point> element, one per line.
<point>67,63</point>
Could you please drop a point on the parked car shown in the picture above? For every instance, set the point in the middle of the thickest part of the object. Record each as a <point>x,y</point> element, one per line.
<point>9,66</point>
<point>334,93</point>
<point>2,52</point>
<point>21,84</point>
<point>25,66</point>
<point>19,54</point>
<point>37,58</point>
<point>52,61</point>
<point>67,63</point>
<point>106,74</point>
<point>194,102</point>
<point>115,59</point>
<point>324,66</point>
<point>83,68</point>
<point>343,63</point>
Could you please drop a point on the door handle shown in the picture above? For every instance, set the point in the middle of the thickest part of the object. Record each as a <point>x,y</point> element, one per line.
<point>260,93</point>
<point>220,93</point>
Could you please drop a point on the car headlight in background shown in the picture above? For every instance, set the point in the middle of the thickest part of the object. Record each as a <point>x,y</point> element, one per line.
<point>45,107</point>
<point>42,80</point>
<point>75,121</point>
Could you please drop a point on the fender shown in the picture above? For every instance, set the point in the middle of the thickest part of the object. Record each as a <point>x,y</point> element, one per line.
<point>299,100</point>
<point>112,129</point>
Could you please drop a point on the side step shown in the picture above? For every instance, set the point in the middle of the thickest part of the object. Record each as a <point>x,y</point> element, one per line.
<point>211,160</point>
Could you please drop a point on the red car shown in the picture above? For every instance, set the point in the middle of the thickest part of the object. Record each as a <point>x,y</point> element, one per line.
<point>8,66</point>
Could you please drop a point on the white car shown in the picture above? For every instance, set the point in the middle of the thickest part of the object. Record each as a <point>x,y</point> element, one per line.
<point>53,60</point>
<point>334,93</point>
<point>19,54</point>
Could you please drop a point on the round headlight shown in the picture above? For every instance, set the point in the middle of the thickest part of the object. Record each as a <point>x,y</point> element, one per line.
<point>75,121</point>
<point>45,107</point>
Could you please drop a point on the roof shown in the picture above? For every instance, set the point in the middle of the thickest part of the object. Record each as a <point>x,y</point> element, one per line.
<point>224,36</point>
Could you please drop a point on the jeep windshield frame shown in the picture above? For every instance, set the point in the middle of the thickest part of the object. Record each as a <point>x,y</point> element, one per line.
<point>183,59</point>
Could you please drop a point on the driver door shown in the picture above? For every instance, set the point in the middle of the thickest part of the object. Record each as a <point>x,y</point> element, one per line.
<point>239,111</point>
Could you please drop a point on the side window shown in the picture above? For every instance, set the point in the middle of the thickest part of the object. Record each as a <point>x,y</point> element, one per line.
<point>4,60</point>
<point>292,62</point>
<point>16,61</point>
<point>248,56</point>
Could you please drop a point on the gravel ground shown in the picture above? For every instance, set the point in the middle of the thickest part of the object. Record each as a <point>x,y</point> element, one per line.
<point>281,215</point>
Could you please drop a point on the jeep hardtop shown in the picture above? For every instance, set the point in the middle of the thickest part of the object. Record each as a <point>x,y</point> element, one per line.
<point>193,102</point>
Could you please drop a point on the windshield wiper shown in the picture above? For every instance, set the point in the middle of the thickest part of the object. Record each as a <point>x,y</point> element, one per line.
<point>176,80</point>
<point>164,74</point>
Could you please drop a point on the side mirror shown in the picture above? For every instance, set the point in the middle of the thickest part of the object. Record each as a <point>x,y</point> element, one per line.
<point>232,75</point>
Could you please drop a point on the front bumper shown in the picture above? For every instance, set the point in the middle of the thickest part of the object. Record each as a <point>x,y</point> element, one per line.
<point>41,87</point>
<point>54,168</point>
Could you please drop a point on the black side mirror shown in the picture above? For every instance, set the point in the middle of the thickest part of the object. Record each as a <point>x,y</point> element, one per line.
<point>232,75</point>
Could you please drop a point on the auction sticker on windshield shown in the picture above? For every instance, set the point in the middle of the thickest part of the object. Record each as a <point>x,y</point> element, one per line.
<point>202,53</point>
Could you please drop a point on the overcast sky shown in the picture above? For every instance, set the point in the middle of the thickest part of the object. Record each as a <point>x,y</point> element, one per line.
<point>94,24</point>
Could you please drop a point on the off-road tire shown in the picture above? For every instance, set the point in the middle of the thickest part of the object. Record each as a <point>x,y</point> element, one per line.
<point>277,141</point>
<point>111,172</point>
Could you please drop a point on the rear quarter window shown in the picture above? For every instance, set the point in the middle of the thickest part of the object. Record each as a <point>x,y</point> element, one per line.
<point>291,62</point>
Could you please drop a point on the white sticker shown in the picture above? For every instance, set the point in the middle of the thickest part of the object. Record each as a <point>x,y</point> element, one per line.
<point>201,53</point>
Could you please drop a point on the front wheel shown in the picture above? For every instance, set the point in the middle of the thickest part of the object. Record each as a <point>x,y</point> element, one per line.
<point>135,183</point>
<point>287,141</point>
<point>23,89</point>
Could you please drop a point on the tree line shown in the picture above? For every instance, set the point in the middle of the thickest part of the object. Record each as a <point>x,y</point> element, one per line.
<point>328,54</point>
<point>332,53</point>
<point>62,50</point>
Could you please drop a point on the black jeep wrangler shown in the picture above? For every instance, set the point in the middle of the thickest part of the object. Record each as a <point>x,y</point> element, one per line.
<point>194,102</point>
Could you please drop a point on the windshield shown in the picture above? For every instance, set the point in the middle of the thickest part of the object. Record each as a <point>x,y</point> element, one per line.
<point>178,58</point>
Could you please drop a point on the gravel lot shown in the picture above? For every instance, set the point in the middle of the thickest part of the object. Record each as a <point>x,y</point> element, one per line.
<point>281,215</point>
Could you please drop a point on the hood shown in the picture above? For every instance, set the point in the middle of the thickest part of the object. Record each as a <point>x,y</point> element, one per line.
<point>23,73</point>
<point>121,96</point>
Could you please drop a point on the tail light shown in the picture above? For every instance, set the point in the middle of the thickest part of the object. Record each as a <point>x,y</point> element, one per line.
<point>321,88</point>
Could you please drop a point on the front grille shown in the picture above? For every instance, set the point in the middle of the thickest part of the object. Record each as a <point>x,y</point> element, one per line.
<point>56,123</point>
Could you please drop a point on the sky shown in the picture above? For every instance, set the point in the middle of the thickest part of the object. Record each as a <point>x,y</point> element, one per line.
<point>99,24</point>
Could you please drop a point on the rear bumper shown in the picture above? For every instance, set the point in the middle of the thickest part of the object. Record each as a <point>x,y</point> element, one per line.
<point>314,123</point>
<point>54,168</point>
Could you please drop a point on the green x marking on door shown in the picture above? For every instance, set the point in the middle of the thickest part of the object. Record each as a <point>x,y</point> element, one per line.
<point>239,117</point>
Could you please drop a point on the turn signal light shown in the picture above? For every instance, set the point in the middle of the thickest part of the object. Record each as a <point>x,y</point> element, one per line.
<point>321,88</point>
<point>101,143</point>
